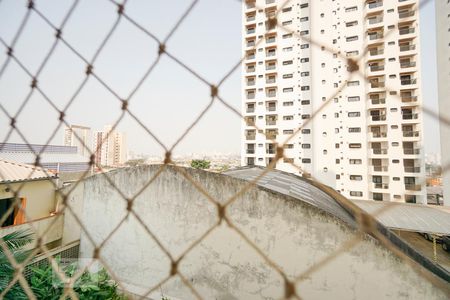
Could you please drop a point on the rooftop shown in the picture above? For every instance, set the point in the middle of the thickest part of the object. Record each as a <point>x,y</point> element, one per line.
<point>11,172</point>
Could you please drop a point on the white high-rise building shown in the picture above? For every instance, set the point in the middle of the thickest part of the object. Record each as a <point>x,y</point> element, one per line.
<point>110,147</point>
<point>79,136</point>
<point>367,142</point>
<point>443,65</point>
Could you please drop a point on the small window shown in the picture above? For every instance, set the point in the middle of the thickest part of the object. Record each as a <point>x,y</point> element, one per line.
<point>288,90</point>
<point>351,38</point>
<point>287,76</point>
<point>354,129</point>
<point>287,9</point>
<point>354,114</point>
<point>355,161</point>
<point>356,177</point>
<point>353,99</point>
<point>354,145</point>
<point>353,83</point>
<point>287,62</point>
<point>350,9</point>
<point>356,193</point>
<point>306,131</point>
<point>306,160</point>
<point>306,146</point>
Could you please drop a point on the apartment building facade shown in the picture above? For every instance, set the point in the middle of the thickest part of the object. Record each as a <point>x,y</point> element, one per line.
<point>110,147</point>
<point>443,67</point>
<point>80,137</point>
<point>359,132</point>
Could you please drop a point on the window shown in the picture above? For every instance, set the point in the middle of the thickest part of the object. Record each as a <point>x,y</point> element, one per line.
<point>306,146</point>
<point>351,38</point>
<point>304,32</point>
<point>306,160</point>
<point>287,76</point>
<point>354,114</point>
<point>353,8</point>
<point>288,131</point>
<point>352,53</point>
<point>356,177</point>
<point>288,118</point>
<point>287,49</point>
<point>354,145</point>
<point>306,131</point>
<point>353,98</point>
<point>353,83</point>
<point>285,23</point>
<point>305,88</point>
<point>289,146</point>
<point>304,74</point>
<point>307,116</point>
<point>287,62</point>
<point>287,35</point>
<point>356,193</point>
<point>304,19</point>
<point>303,60</point>
<point>304,46</point>
<point>305,5</point>
<point>352,23</point>
<point>287,9</point>
<point>288,90</point>
<point>305,102</point>
<point>288,103</point>
<point>355,161</point>
<point>354,129</point>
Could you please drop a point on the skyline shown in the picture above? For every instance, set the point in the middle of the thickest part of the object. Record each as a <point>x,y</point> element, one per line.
<point>200,40</point>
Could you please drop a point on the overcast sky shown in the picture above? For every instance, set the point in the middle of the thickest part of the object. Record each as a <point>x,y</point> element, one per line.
<point>209,41</point>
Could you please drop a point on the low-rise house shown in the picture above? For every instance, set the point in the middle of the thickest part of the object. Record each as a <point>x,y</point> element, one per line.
<point>33,190</point>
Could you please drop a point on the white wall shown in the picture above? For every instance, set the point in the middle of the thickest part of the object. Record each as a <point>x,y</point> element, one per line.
<point>223,266</point>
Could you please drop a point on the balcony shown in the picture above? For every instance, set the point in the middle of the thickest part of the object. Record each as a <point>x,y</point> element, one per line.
<point>270,67</point>
<point>270,40</point>
<point>271,136</point>
<point>373,5</point>
<point>375,52</point>
<point>378,118</point>
<point>250,151</point>
<point>377,84</point>
<point>379,151</point>
<point>376,68</point>
<point>411,151</point>
<point>380,185</point>
<point>251,82</point>
<point>251,69</point>
<point>250,137</point>
<point>375,36</point>
<point>378,135</point>
<point>251,31</point>
<point>250,56</point>
<point>250,5</point>
<point>377,101</point>
<point>271,121</point>
<point>375,20</point>
<point>270,80</point>
<point>250,96</point>
<point>250,44</point>
<point>407,64</point>
<point>409,169</point>
<point>251,18</point>
<point>250,109</point>
<point>409,30</point>
<point>410,133</point>
<point>410,116</point>
<point>250,121</point>
<point>408,99</point>
<point>380,168</point>
<point>413,187</point>
<point>408,81</point>
<point>406,14</point>
<point>409,47</point>
<point>271,94</point>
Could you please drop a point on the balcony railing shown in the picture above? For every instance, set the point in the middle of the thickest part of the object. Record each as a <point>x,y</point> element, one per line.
<point>374,52</point>
<point>250,5</point>
<point>410,116</point>
<point>409,99</point>
<point>250,122</point>
<point>403,31</point>
<point>251,69</point>
<point>250,137</point>
<point>271,108</point>
<point>270,151</point>
<point>375,20</point>
<point>376,101</point>
<point>270,40</point>
<point>251,31</point>
<point>375,36</point>
<point>250,151</point>
<point>251,83</point>
<point>271,94</point>
<point>410,133</point>
<point>271,122</point>
<point>251,96</point>
<point>411,151</point>
<point>375,4</point>
<point>251,44</point>
<point>378,118</point>
<point>408,64</point>
<point>412,187</point>
<point>269,81</point>
<point>405,14</point>
<point>407,47</point>
<point>270,53</point>
<point>251,18</point>
<point>412,169</point>
<point>408,81</point>
<point>377,84</point>
<point>375,68</point>
<point>381,185</point>
<point>270,67</point>
<point>379,151</point>
<point>271,136</point>
<point>250,109</point>
<point>380,168</point>
<point>379,134</point>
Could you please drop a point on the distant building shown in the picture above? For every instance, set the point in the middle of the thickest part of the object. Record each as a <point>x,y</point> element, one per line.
<point>80,137</point>
<point>110,147</point>
<point>62,160</point>
<point>286,79</point>
<point>443,63</point>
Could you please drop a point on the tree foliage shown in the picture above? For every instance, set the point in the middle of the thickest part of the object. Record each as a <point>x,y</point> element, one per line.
<point>200,164</point>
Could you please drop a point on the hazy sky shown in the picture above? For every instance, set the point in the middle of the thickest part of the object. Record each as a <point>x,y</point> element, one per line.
<point>209,41</point>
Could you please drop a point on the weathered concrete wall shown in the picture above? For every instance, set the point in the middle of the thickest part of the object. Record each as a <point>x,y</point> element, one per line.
<point>293,234</point>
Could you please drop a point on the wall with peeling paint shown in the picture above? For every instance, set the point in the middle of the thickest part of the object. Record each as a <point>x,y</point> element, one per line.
<point>293,234</point>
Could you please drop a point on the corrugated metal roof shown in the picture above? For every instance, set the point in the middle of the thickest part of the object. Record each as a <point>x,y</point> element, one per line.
<point>16,172</point>
<point>295,186</point>
<point>409,217</point>
<point>402,216</point>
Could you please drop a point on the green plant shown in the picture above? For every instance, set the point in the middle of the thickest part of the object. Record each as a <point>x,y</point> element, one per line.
<point>200,164</point>
<point>14,242</point>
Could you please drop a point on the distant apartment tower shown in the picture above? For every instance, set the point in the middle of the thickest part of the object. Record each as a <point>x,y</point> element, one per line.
<point>80,137</point>
<point>443,65</point>
<point>110,147</point>
<point>366,143</point>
